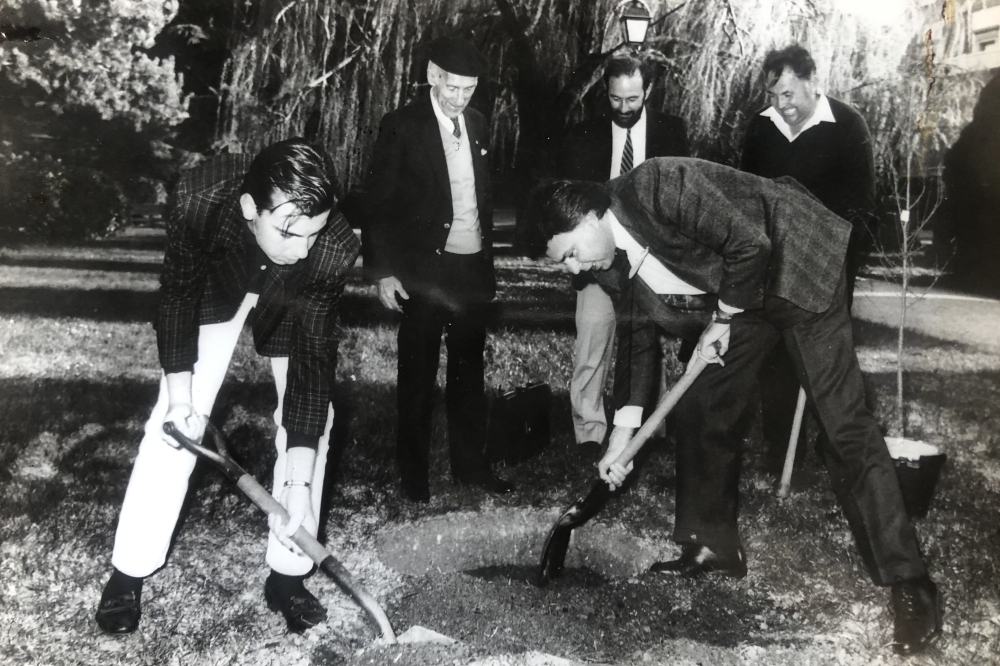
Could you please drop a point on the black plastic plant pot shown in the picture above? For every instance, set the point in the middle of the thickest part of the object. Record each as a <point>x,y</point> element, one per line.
<point>918,468</point>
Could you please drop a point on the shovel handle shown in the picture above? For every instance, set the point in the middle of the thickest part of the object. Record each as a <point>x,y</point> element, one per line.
<point>315,551</point>
<point>666,404</point>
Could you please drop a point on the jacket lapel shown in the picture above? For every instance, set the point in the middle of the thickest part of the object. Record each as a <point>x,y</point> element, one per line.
<point>434,149</point>
<point>479,146</point>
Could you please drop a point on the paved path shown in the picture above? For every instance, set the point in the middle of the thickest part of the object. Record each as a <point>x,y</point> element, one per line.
<point>943,314</point>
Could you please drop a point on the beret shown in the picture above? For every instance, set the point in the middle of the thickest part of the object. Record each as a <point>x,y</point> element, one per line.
<point>457,56</point>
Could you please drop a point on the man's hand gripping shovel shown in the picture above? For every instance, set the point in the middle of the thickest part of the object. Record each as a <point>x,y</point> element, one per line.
<point>309,545</point>
<point>585,508</point>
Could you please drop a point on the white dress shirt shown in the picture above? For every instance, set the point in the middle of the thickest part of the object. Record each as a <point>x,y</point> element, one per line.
<point>618,135</point>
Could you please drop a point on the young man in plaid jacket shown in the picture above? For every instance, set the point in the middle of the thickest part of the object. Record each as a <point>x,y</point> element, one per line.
<point>249,239</point>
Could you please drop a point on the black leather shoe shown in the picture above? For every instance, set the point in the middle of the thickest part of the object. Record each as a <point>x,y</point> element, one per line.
<point>917,609</point>
<point>589,452</point>
<point>486,480</point>
<point>118,612</point>
<point>300,608</point>
<point>696,560</point>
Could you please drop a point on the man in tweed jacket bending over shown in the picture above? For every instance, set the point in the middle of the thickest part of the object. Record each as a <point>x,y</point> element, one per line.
<point>245,235</point>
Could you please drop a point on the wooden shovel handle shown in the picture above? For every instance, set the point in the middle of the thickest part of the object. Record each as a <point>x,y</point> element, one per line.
<point>666,404</point>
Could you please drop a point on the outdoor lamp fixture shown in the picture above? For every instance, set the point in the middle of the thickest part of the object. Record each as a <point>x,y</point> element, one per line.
<point>635,18</point>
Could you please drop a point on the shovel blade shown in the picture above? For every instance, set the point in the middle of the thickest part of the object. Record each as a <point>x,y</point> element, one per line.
<point>557,542</point>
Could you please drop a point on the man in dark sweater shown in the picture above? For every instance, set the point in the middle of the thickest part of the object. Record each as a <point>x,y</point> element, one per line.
<point>249,239</point>
<point>825,145</point>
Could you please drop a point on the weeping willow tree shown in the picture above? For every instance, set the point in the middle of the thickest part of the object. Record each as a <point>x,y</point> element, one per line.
<point>330,70</point>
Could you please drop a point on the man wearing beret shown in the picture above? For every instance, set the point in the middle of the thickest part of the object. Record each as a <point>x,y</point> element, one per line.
<point>427,247</point>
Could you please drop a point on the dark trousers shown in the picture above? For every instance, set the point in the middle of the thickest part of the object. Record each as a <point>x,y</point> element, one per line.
<point>456,307</point>
<point>821,349</point>
<point>639,313</point>
<point>779,384</point>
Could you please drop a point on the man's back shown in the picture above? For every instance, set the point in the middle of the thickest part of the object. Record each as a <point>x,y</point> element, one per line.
<point>690,208</point>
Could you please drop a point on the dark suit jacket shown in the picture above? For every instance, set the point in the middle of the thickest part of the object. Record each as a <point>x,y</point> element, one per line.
<point>832,160</point>
<point>408,198</point>
<point>729,233</point>
<point>209,264</point>
<point>586,150</point>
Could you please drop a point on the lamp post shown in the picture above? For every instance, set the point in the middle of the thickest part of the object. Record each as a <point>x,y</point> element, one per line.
<point>635,18</point>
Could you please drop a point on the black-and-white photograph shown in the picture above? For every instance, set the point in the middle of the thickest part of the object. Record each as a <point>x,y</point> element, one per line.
<point>499,332</point>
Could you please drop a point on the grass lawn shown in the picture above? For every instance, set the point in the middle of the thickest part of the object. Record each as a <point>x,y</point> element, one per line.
<point>78,374</point>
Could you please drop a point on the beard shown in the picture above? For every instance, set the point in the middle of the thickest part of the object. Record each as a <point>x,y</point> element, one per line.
<point>627,119</point>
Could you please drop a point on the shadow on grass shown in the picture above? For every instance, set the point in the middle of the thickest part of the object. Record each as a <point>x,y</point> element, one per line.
<point>123,305</point>
<point>107,266</point>
<point>880,335</point>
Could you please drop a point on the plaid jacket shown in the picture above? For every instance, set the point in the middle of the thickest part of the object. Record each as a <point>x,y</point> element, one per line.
<point>206,272</point>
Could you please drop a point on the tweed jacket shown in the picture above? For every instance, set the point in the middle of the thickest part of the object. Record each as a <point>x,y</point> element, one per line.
<point>726,232</point>
<point>832,160</point>
<point>731,233</point>
<point>586,150</point>
<point>408,209</point>
<point>207,270</point>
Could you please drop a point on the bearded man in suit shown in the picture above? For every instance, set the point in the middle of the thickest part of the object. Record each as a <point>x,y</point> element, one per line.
<point>598,150</point>
<point>774,256</point>
<point>428,247</point>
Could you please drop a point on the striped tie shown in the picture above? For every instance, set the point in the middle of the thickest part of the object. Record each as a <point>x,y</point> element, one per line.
<point>458,129</point>
<point>627,153</point>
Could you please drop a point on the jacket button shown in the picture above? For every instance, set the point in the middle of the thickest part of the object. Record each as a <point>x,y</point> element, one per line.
<point>447,225</point>
<point>438,251</point>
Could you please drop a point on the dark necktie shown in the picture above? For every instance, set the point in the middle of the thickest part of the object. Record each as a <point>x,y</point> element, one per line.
<point>626,153</point>
<point>458,130</point>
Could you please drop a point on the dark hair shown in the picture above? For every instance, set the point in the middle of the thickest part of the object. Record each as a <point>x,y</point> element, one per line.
<point>302,171</point>
<point>627,64</point>
<point>792,57</point>
<point>555,207</point>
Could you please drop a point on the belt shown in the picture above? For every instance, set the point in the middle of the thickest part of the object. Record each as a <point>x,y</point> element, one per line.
<point>687,302</point>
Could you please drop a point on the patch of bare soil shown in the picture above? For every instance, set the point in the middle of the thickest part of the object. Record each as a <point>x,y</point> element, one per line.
<point>581,616</point>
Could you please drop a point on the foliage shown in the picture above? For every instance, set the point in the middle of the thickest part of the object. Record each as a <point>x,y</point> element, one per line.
<point>90,56</point>
<point>47,200</point>
<point>330,72</point>
<point>84,112</point>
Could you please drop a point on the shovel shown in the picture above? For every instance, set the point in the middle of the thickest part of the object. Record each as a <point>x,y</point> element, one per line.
<point>309,545</point>
<point>585,508</point>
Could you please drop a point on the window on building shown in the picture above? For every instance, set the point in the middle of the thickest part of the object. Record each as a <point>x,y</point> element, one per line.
<point>986,39</point>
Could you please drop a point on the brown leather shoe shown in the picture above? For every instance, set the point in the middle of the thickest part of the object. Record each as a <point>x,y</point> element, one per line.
<point>697,560</point>
<point>917,609</point>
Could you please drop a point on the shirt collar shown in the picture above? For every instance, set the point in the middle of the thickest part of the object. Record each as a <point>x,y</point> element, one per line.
<point>446,122</point>
<point>821,114</point>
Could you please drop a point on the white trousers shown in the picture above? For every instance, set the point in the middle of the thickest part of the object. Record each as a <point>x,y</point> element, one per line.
<point>159,481</point>
<point>595,334</point>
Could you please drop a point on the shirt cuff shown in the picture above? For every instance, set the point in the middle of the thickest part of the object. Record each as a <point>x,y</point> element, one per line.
<point>629,416</point>
<point>729,308</point>
<point>298,439</point>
